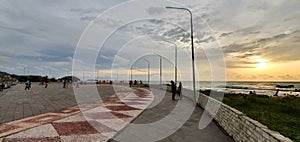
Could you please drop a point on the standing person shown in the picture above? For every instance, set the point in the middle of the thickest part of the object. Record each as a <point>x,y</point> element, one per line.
<point>65,83</point>
<point>27,86</point>
<point>173,88</point>
<point>179,91</point>
<point>141,83</point>
<point>135,82</point>
<point>130,83</point>
<point>46,84</point>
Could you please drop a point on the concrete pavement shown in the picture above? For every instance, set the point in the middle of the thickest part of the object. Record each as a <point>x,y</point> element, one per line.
<point>16,103</point>
<point>188,131</point>
<point>97,121</point>
<point>55,118</point>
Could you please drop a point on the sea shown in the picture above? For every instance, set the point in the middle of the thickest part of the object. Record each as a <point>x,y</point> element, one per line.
<point>260,88</point>
<point>268,88</point>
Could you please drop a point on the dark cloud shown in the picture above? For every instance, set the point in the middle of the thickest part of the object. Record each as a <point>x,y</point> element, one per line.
<point>266,77</point>
<point>255,32</point>
<point>232,48</point>
<point>282,53</point>
<point>286,77</point>
<point>23,31</point>
<point>225,34</point>
<point>240,64</point>
<point>155,10</point>
<point>247,55</point>
<point>206,40</point>
<point>57,53</point>
<point>275,48</point>
<point>86,10</point>
<point>286,48</point>
<point>87,14</point>
<point>155,21</point>
<point>87,18</point>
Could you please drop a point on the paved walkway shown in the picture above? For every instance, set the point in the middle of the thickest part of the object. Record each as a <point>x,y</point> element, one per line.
<point>153,116</point>
<point>96,121</point>
<point>17,103</point>
<point>161,123</point>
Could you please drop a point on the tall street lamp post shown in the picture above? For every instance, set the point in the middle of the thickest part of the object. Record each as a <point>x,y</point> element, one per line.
<point>160,69</point>
<point>192,43</point>
<point>131,73</point>
<point>148,70</point>
<point>175,68</point>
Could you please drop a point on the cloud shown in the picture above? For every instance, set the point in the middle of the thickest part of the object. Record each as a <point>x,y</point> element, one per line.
<point>155,10</point>
<point>281,47</point>
<point>83,11</point>
<point>225,34</point>
<point>253,77</point>
<point>207,40</point>
<point>40,33</point>
<point>87,14</point>
<point>16,29</point>
<point>87,18</point>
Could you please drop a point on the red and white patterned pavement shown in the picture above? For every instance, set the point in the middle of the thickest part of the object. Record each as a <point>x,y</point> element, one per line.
<point>92,122</point>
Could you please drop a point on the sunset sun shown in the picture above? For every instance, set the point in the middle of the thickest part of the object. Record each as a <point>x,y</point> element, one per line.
<point>261,64</point>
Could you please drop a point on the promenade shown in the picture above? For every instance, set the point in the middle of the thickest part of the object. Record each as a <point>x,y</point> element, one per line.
<point>16,103</point>
<point>164,113</point>
<point>52,114</point>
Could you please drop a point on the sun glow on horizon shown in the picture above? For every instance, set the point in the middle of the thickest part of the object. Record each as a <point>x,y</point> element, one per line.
<point>261,64</point>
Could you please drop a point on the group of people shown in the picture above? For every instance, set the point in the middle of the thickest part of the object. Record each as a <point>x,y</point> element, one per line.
<point>46,83</point>
<point>176,90</point>
<point>28,84</point>
<point>134,83</point>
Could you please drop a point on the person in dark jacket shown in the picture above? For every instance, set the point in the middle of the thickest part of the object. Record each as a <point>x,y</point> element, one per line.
<point>179,91</point>
<point>27,85</point>
<point>173,89</point>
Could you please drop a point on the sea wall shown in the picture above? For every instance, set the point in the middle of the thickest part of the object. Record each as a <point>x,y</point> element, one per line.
<point>239,126</point>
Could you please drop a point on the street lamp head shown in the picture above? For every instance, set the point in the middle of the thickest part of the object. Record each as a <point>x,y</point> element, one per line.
<point>181,8</point>
<point>172,7</point>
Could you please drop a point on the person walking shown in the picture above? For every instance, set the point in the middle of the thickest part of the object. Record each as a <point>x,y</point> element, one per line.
<point>46,84</point>
<point>173,89</point>
<point>179,90</point>
<point>130,83</point>
<point>27,85</point>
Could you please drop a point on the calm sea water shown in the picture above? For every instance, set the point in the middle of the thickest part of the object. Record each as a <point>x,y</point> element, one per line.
<point>261,88</point>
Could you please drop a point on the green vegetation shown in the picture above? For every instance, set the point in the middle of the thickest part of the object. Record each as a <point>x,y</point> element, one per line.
<point>280,114</point>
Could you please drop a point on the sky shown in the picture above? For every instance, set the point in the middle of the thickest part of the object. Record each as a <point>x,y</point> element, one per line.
<point>234,40</point>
